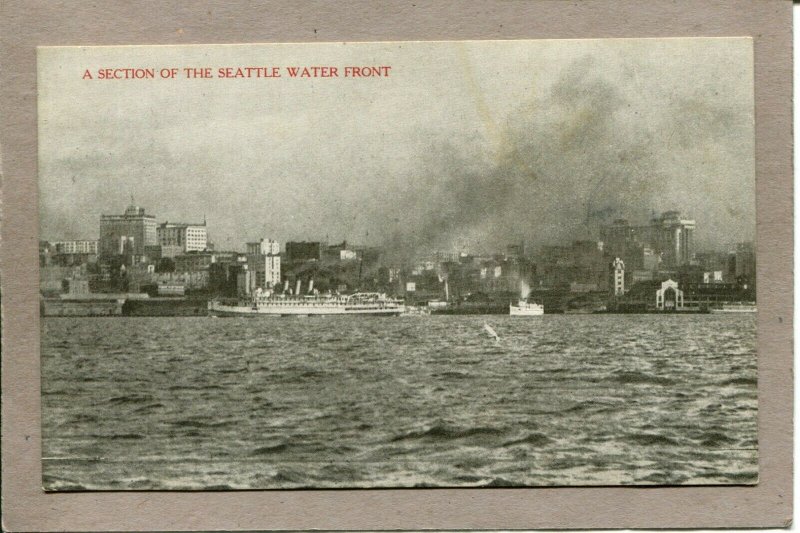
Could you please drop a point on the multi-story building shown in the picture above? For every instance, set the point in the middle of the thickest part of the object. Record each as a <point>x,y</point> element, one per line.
<point>673,237</point>
<point>71,253</point>
<point>745,260</point>
<point>264,263</point>
<point>303,251</point>
<point>180,238</point>
<point>127,234</point>
<point>264,247</point>
<point>75,247</point>
<point>619,276</point>
<point>200,261</point>
<point>583,262</point>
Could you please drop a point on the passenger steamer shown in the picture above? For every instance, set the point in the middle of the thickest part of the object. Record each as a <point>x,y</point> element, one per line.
<point>268,303</point>
<point>525,308</point>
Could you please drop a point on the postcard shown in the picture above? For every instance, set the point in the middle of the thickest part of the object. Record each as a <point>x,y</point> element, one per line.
<point>399,264</point>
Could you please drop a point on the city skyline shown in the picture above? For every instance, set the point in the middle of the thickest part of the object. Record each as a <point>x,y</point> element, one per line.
<point>162,222</point>
<point>444,151</point>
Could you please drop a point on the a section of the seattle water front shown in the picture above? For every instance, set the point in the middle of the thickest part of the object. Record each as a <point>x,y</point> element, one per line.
<point>199,403</point>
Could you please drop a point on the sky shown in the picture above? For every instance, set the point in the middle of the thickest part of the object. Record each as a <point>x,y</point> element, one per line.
<point>465,145</point>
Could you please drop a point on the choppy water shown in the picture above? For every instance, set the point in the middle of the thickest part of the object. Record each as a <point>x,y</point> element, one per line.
<point>242,403</point>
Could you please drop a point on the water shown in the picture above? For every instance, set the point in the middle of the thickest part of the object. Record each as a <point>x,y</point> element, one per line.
<point>257,403</point>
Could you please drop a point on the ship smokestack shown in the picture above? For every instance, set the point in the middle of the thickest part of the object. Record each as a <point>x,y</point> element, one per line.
<point>311,286</point>
<point>297,290</point>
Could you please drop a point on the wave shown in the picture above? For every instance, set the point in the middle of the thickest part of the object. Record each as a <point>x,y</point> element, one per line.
<point>440,431</point>
<point>502,482</point>
<point>635,378</point>
<point>740,381</point>
<point>195,387</point>
<point>148,408</point>
<point>715,439</point>
<point>83,417</point>
<point>597,406</point>
<point>119,436</point>
<point>651,439</point>
<point>536,439</point>
<point>194,423</point>
<point>452,374</point>
<point>53,483</point>
<point>222,486</point>
<point>130,398</point>
<point>268,450</point>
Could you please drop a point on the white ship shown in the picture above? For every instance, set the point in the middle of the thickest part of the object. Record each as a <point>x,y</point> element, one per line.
<point>524,308</point>
<point>267,303</point>
<point>741,307</point>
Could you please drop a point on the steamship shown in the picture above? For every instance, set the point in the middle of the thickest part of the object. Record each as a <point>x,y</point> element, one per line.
<point>525,308</point>
<point>269,303</point>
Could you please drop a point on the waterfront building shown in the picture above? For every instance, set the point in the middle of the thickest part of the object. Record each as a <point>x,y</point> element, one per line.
<point>181,237</point>
<point>669,296</point>
<point>127,234</point>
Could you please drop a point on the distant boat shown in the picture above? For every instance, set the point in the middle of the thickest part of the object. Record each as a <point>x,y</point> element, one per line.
<point>524,308</point>
<point>739,307</point>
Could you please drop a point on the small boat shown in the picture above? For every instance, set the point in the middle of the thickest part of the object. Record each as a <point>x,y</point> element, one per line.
<point>524,308</point>
<point>738,307</point>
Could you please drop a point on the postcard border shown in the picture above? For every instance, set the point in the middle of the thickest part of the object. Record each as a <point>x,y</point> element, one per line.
<point>27,24</point>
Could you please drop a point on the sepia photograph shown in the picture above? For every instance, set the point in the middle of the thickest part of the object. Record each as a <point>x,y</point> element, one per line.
<point>519,263</point>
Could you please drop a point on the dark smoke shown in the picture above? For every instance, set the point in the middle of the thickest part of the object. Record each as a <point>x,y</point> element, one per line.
<point>567,162</point>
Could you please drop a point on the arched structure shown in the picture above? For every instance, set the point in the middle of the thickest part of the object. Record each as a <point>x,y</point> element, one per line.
<point>669,296</point>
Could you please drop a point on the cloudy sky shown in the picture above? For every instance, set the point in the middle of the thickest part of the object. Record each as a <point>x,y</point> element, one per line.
<point>465,144</point>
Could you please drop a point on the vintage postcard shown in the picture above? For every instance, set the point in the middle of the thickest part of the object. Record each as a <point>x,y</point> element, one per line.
<point>398,264</point>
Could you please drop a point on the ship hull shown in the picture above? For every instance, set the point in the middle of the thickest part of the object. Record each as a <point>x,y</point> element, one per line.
<point>222,310</point>
<point>532,310</point>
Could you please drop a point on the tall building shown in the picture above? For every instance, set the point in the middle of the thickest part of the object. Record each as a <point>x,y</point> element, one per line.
<point>673,236</point>
<point>264,263</point>
<point>180,238</point>
<point>668,236</point>
<point>127,234</point>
